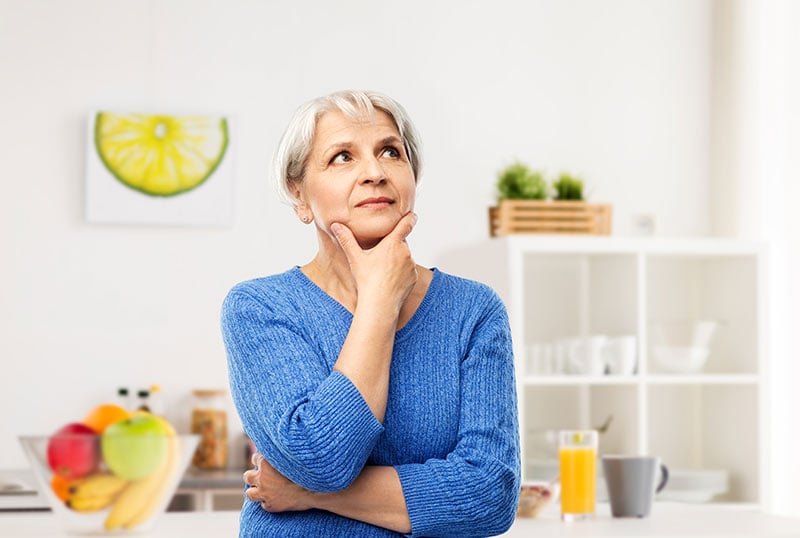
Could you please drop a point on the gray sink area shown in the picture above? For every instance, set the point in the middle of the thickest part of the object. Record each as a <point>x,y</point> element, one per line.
<point>18,491</point>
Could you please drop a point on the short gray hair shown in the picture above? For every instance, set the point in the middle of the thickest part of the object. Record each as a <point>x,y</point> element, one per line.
<point>289,164</point>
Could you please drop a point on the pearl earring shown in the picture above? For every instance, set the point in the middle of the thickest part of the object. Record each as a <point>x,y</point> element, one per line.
<point>305,219</point>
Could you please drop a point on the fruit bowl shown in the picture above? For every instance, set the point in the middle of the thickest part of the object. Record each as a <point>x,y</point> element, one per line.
<point>109,484</point>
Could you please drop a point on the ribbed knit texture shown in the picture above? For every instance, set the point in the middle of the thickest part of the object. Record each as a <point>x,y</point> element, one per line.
<point>450,427</point>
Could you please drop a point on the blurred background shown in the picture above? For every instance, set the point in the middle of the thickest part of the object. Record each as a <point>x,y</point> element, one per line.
<point>684,114</point>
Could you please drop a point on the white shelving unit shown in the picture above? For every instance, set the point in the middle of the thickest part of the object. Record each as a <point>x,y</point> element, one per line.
<point>559,288</point>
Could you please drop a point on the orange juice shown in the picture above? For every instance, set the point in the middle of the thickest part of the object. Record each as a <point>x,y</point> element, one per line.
<point>578,467</point>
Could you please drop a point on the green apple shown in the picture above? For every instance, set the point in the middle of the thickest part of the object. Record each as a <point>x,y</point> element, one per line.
<point>134,448</point>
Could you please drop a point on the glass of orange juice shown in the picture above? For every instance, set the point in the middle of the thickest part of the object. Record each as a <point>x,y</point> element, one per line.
<point>577,462</point>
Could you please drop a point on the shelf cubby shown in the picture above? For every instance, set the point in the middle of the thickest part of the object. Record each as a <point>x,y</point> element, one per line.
<point>561,289</point>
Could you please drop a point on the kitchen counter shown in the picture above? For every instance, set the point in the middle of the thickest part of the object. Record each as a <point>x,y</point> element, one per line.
<point>667,519</point>
<point>208,488</point>
<point>18,489</point>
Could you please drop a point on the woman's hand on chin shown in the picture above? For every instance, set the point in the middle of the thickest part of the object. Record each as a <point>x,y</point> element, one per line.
<point>385,272</point>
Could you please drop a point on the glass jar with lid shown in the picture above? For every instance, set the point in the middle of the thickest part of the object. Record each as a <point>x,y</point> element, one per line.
<point>210,422</point>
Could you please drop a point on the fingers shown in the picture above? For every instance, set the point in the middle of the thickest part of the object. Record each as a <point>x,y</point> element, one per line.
<point>252,494</point>
<point>250,478</point>
<point>404,226</point>
<point>250,475</point>
<point>253,491</point>
<point>349,244</point>
<point>346,240</point>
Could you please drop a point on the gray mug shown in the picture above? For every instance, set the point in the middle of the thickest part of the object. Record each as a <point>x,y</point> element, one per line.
<point>631,483</point>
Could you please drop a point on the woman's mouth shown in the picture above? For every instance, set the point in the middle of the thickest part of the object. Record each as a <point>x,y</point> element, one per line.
<point>375,203</point>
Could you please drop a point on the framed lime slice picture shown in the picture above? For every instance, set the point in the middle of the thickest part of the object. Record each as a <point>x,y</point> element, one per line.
<point>159,168</point>
<point>160,155</point>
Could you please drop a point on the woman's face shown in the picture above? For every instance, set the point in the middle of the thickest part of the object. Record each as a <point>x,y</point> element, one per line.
<point>358,174</point>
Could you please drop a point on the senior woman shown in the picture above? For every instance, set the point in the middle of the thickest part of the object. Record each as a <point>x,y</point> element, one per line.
<point>379,393</point>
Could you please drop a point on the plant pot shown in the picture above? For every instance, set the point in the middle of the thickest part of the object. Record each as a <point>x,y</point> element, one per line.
<point>549,217</point>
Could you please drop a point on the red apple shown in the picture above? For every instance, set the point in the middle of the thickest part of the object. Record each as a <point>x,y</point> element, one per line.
<point>74,451</point>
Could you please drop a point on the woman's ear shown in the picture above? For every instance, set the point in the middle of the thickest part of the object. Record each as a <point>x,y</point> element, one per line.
<point>303,213</point>
<point>300,207</point>
<point>295,190</point>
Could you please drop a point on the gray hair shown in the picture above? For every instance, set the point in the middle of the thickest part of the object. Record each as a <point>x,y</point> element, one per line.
<point>289,164</point>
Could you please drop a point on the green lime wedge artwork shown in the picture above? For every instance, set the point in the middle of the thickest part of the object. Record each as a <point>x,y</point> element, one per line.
<point>159,168</point>
<point>160,155</point>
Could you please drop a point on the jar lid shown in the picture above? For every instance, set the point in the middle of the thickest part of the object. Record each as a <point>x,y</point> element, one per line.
<point>209,392</point>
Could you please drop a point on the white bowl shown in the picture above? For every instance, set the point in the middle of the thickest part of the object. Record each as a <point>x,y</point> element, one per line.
<point>677,359</point>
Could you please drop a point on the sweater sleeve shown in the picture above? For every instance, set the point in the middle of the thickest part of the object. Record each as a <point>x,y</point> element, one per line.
<point>311,423</point>
<point>474,490</point>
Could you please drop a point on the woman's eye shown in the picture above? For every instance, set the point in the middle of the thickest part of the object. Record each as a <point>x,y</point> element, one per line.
<point>341,157</point>
<point>391,152</point>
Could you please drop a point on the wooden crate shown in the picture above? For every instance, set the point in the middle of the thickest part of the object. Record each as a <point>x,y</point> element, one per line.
<point>549,217</point>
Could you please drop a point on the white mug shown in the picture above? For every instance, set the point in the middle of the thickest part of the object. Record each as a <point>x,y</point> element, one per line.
<point>586,356</point>
<point>620,355</point>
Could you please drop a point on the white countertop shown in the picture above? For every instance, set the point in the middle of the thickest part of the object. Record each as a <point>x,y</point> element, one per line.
<point>666,519</point>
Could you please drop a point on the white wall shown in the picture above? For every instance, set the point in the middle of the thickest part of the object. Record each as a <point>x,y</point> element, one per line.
<point>780,188</point>
<point>754,191</point>
<point>617,91</point>
<point>787,494</point>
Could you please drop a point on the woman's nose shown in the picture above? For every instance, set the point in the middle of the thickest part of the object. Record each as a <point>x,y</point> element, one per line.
<point>372,172</point>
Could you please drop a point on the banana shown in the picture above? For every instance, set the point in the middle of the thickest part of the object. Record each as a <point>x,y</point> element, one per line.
<point>158,497</point>
<point>95,492</point>
<point>143,497</point>
<point>89,504</point>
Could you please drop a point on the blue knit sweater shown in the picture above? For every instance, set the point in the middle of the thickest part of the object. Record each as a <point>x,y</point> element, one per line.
<point>450,427</point>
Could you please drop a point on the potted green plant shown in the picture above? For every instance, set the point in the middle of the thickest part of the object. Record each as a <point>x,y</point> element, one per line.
<point>568,187</point>
<point>523,205</point>
<point>518,182</point>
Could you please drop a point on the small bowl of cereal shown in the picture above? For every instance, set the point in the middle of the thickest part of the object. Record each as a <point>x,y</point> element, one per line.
<point>534,497</point>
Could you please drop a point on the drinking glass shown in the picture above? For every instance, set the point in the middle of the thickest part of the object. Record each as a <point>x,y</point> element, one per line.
<point>577,461</point>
